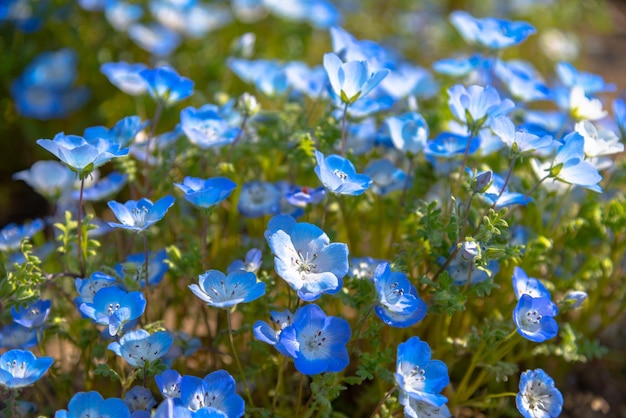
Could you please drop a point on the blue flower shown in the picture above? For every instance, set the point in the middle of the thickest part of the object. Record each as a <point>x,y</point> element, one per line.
<point>50,179</point>
<point>11,235</point>
<point>265,332</point>
<point>364,267</point>
<point>476,105</point>
<point>590,83</point>
<point>302,196</point>
<point>459,67</point>
<point>351,80</point>
<point>34,315</point>
<point>165,84</point>
<point>122,133</point>
<point>316,342</point>
<point>490,32</point>
<point>154,38</point>
<point>139,215</point>
<point>89,286</point>
<point>19,368</point>
<point>408,132</point>
<point>450,145</point>
<point>537,396</point>
<point>103,188</point>
<point>534,318</point>
<point>121,14</point>
<point>619,111</point>
<point>570,166</point>
<point>133,268</point>
<point>398,303</point>
<point>93,404</point>
<point>15,335</point>
<point>259,198</point>
<point>459,270</point>
<point>599,142</point>
<point>419,377</point>
<point>521,141</point>
<point>414,408</point>
<point>251,263</point>
<point>207,127</point>
<point>140,398</point>
<point>80,154</point>
<point>172,409</point>
<point>386,177</point>
<point>168,383</point>
<point>305,258</point>
<point>140,347</point>
<point>221,291</point>
<point>522,80</point>
<point>339,176</point>
<point>114,307</point>
<point>407,79</point>
<point>506,198</point>
<point>216,391</point>
<point>270,77</point>
<point>524,285</point>
<point>126,76</point>
<point>206,193</point>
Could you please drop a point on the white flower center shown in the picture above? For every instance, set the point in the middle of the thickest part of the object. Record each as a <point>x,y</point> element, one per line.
<point>139,216</point>
<point>304,263</point>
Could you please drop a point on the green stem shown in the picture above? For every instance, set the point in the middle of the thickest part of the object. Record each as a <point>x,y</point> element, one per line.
<point>359,329</point>
<point>205,227</point>
<point>153,125</point>
<point>555,213</point>
<point>279,384</point>
<point>236,357</point>
<point>145,267</point>
<point>239,134</point>
<point>382,401</point>
<point>531,191</point>
<point>79,227</point>
<point>343,130</point>
<point>13,402</point>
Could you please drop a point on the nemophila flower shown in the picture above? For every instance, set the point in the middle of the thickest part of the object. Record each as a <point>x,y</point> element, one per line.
<point>19,368</point>
<point>33,315</point>
<point>216,390</point>
<point>193,19</point>
<point>319,13</point>
<point>353,79</point>
<point>462,270</point>
<point>170,408</point>
<point>15,335</point>
<point>121,14</point>
<point>92,404</point>
<point>364,267</point>
<point>598,142</point>
<point>126,76</point>
<point>139,215</point>
<point>80,154</point>
<point>522,80</point>
<point>305,258</point>
<point>386,177</point>
<point>419,377</point>
<point>316,342</point>
<point>538,397</point>
<point>11,235</point>
<point>574,298</point>
<point>258,198</point>
<point>140,347</point>
<point>490,32</point>
<point>166,85</point>
<point>103,188</point>
<point>139,398</point>
<point>349,48</point>
<point>124,131</point>
<point>161,145</point>
<point>50,179</point>
<point>114,307</point>
<point>206,127</point>
<point>168,383</point>
<point>222,291</point>
<point>184,345</point>
<point>459,66</point>
<point>408,132</point>
<point>520,141</point>
<point>619,111</point>
<point>591,83</point>
<point>582,107</point>
<point>407,79</point>
<point>414,408</point>
<point>308,81</point>
<point>524,285</point>
<point>476,105</point>
<point>154,38</point>
<point>133,268</point>
<point>364,107</point>
<point>569,165</point>
<point>534,318</point>
<point>270,77</point>
<point>494,195</point>
<point>270,334</point>
<point>206,193</point>
<point>89,286</point>
<point>398,302</point>
<point>450,145</point>
<point>339,176</point>
<point>251,263</point>
<point>303,196</point>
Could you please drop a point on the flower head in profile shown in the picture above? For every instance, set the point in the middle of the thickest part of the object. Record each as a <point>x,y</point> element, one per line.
<point>165,84</point>
<point>414,408</point>
<point>270,333</point>
<point>419,377</point>
<point>93,404</point>
<point>168,383</point>
<point>316,342</point>
<point>80,154</point>
<point>353,79</point>
<point>569,165</point>
<point>140,347</point>
<point>19,368</point>
<point>49,178</point>
<point>476,105</point>
<point>114,307</point>
<point>305,258</point>
<point>206,193</point>
<point>522,142</point>
<point>126,76</point>
<point>252,262</point>
<point>12,235</point>
<point>538,397</point>
<point>139,215</point>
<point>339,176</point>
<point>490,32</point>
<point>398,302</point>
<point>408,132</point>
<point>222,291</point>
<point>215,392</point>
